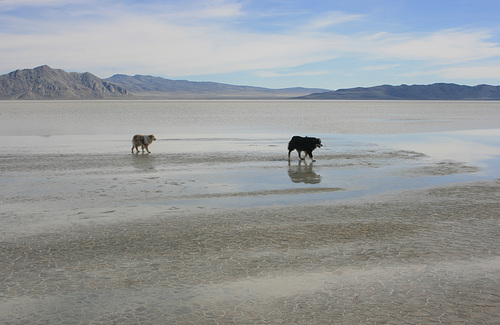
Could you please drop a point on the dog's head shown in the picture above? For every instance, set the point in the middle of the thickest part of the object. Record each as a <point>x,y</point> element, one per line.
<point>318,142</point>
<point>152,137</point>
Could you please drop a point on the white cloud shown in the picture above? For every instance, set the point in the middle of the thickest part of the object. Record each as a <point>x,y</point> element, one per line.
<point>221,9</point>
<point>170,41</point>
<point>332,18</point>
<point>381,67</point>
<point>480,73</point>
<point>157,46</point>
<point>290,74</point>
<point>443,47</point>
<point>472,72</point>
<point>187,14</point>
<point>45,3</point>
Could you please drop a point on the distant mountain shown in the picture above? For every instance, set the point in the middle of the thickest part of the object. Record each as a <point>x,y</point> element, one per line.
<point>147,86</point>
<point>438,91</point>
<point>46,83</point>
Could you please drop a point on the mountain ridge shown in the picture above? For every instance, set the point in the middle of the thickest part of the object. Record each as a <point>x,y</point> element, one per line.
<point>436,91</point>
<point>43,82</point>
<point>149,86</point>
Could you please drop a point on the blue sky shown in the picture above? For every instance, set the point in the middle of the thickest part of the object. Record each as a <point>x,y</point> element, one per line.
<point>268,43</point>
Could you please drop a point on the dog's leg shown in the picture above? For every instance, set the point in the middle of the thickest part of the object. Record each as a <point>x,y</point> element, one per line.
<point>300,155</point>
<point>147,148</point>
<point>311,155</point>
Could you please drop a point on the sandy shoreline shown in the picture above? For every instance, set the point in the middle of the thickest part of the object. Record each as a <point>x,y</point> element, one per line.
<point>425,256</point>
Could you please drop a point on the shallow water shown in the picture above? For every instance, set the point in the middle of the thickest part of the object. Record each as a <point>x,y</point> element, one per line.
<point>63,162</point>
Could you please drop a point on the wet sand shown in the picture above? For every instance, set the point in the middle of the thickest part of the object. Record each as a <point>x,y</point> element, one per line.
<point>423,256</point>
<point>219,228</point>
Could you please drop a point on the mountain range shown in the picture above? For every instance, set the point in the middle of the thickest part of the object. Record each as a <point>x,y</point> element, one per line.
<point>46,83</point>
<point>437,91</point>
<point>43,82</point>
<point>155,87</point>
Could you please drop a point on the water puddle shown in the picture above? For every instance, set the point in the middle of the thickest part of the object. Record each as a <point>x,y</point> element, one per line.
<point>358,166</point>
<point>231,171</point>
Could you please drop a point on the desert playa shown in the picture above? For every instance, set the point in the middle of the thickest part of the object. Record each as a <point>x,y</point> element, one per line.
<point>386,227</point>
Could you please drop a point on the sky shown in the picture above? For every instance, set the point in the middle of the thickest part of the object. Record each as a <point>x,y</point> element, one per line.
<point>267,43</point>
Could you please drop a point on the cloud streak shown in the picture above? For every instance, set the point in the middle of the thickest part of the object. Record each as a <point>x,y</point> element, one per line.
<point>330,19</point>
<point>227,37</point>
<point>441,47</point>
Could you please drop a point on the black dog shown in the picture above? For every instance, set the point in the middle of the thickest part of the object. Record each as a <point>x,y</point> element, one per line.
<point>307,144</point>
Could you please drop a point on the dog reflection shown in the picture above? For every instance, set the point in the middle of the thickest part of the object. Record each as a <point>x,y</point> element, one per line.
<point>144,162</point>
<point>303,173</point>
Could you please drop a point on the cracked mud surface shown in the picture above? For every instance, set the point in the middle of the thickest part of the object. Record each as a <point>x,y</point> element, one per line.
<point>392,260</point>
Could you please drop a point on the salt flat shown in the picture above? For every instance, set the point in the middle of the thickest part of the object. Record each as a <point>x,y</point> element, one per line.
<point>219,227</point>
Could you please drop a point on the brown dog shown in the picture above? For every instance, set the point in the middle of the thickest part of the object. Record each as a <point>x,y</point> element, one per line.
<point>142,140</point>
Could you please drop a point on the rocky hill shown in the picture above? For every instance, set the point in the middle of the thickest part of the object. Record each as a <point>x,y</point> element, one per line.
<point>438,91</point>
<point>147,86</point>
<point>46,83</point>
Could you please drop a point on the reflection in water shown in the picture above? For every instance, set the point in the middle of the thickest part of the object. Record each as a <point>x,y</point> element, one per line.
<point>303,173</point>
<point>474,147</point>
<point>143,161</point>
